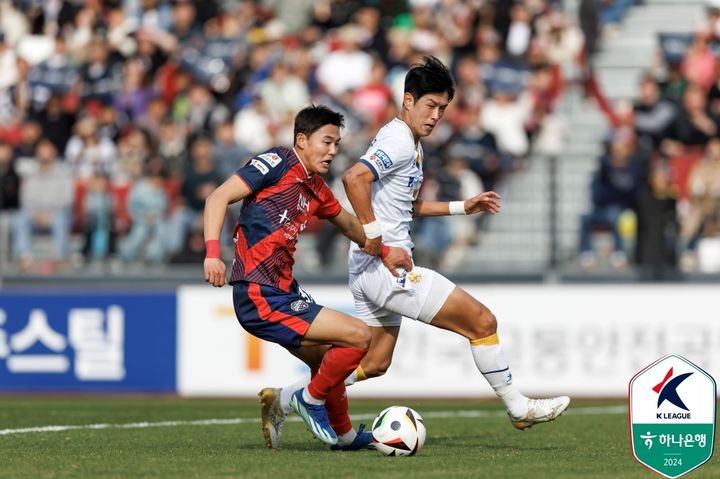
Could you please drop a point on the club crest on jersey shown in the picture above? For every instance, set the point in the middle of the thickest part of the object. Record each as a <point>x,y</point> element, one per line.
<point>414,277</point>
<point>259,166</point>
<point>272,159</point>
<point>381,159</point>
<point>299,305</point>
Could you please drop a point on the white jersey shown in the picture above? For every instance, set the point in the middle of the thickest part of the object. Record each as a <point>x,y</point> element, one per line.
<point>396,161</point>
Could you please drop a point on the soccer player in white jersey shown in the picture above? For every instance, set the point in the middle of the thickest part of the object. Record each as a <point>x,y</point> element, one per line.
<point>383,190</point>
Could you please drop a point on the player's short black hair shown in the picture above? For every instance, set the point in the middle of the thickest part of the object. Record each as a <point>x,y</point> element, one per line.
<point>431,76</point>
<point>310,119</point>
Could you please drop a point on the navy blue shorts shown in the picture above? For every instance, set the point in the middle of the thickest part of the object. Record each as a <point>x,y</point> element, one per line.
<point>273,314</point>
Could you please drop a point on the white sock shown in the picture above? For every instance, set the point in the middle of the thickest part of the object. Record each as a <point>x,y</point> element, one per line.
<point>310,399</point>
<point>287,392</point>
<point>355,376</point>
<point>491,362</point>
<point>349,381</point>
<point>347,438</point>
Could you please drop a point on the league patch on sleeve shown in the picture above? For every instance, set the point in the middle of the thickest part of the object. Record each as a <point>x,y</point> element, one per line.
<point>271,159</point>
<point>260,166</point>
<point>381,160</point>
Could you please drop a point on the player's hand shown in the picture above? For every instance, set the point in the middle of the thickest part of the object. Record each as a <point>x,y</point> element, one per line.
<point>373,246</point>
<point>397,258</point>
<point>488,201</point>
<point>214,271</point>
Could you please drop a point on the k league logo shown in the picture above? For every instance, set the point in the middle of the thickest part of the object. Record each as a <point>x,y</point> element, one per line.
<point>672,416</point>
<point>667,391</point>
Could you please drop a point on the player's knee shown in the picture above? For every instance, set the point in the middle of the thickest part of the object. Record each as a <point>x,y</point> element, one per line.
<point>485,323</point>
<point>360,336</point>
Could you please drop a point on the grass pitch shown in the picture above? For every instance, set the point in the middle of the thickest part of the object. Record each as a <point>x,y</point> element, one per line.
<point>112,437</point>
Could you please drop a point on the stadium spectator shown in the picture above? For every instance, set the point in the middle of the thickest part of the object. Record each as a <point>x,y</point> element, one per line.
<point>171,148</point>
<point>700,65</point>
<point>200,179</point>
<point>615,186</point>
<point>348,67</point>
<point>97,221</point>
<point>46,200</point>
<point>147,205</point>
<point>703,201</point>
<point>505,115</point>
<point>254,128</point>
<point>133,151</point>
<point>9,179</point>
<point>30,135</point>
<point>657,225</point>
<point>9,196</point>
<point>56,121</point>
<point>652,114</point>
<point>8,64</point>
<point>87,153</point>
<point>229,155</point>
<point>283,92</point>
<point>694,124</point>
<point>100,77</point>
<point>133,97</point>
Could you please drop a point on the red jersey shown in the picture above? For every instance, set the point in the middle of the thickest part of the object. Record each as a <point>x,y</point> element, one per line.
<point>283,199</point>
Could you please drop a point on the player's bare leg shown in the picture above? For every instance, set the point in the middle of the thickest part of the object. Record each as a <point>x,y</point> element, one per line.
<point>468,317</point>
<point>378,358</point>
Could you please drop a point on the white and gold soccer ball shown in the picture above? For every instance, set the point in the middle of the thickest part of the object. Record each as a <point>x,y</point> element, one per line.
<point>399,431</point>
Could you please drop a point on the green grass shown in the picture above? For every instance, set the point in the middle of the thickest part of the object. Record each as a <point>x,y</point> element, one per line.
<point>581,444</point>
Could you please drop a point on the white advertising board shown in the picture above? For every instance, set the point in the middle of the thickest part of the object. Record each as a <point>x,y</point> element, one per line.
<point>576,340</point>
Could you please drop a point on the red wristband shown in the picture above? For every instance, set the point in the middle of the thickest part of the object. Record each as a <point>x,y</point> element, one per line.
<point>212,249</point>
<point>384,251</point>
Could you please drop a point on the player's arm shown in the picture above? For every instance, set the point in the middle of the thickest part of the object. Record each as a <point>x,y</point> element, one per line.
<point>488,201</point>
<point>358,182</point>
<point>233,190</point>
<point>392,257</point>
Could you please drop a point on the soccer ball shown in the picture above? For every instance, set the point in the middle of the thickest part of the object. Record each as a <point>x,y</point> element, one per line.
<point>399,431</point>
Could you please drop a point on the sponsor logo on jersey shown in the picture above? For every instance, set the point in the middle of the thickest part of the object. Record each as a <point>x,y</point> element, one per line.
<point>303,203</point>
<point>299,305</point>
<point>260,166</point>
<point>381,159</point>
<point>272,159</point>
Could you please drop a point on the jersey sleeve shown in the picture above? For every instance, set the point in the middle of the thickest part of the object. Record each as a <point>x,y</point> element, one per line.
<point>263,170</point>
<point>385,157</point>
<point>329,205</point>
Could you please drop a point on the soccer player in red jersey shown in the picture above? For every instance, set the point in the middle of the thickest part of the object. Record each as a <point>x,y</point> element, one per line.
<point>282,189</point>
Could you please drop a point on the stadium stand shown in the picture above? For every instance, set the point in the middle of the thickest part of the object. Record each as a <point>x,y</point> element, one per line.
<point>122,87</point>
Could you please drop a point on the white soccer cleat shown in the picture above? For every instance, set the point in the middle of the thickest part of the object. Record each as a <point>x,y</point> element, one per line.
<point>541,410</point>
<point>273,417</point>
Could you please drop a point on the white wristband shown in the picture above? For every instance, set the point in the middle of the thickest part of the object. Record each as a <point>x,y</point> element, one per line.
<point>457,208</point>
<point>372,230</point>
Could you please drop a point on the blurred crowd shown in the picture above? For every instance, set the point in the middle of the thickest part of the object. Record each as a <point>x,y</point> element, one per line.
<point>118,117</point>
<point>659,181</point>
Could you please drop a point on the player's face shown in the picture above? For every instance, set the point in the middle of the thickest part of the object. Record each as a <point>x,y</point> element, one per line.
<point>319,149</point>
<point>425,112</point>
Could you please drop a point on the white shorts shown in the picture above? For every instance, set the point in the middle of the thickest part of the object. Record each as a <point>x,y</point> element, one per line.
<point>382,299</point>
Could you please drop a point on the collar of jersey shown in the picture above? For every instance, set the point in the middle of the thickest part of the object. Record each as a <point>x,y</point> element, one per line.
<point>307,173</point>
<point>408,129</point>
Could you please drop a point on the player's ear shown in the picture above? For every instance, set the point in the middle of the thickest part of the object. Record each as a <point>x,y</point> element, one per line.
<point>301,140</point>
<point>408,100</point>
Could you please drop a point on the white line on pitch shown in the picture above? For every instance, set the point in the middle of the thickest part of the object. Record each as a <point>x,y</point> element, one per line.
<point>252,420</point>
